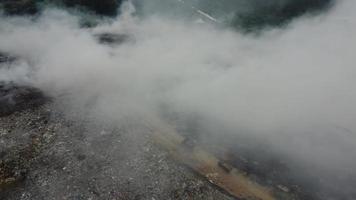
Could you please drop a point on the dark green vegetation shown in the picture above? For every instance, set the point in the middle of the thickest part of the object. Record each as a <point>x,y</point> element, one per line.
<point>102,7</point>
<point>261,14</point>
<point>245,15</point>
<point>14,7</point>
<point>20,7</point>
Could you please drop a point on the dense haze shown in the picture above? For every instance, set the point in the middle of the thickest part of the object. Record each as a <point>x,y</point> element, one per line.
<point>291,89</point>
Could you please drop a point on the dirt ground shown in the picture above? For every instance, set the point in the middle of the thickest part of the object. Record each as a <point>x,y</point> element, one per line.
<point>45,155</point>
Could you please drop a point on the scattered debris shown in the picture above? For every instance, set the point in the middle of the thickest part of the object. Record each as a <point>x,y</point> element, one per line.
<point>11,172</point>
<point>69,158</point>
<point>20,150</point>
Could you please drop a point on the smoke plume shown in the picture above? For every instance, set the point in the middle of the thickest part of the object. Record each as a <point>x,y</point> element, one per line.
<point>291,90</point>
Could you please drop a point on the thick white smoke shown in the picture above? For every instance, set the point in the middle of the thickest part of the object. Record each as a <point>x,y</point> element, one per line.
<point>294,89</point>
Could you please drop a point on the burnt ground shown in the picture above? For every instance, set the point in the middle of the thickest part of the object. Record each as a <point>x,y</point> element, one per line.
<point>46,155</point>
<point>15,97</point>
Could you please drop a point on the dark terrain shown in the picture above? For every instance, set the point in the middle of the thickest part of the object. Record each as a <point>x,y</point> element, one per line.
<point>48,152</point>
<point>44,155</point>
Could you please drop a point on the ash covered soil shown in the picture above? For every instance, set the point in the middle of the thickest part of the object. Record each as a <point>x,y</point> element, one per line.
<point>45,154</point>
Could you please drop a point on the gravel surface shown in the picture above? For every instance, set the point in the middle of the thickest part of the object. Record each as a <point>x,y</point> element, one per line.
<point>46,155</point>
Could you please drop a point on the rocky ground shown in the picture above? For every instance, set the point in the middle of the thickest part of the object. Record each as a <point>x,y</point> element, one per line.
<point>48,153</point>
<point>45,155</point>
